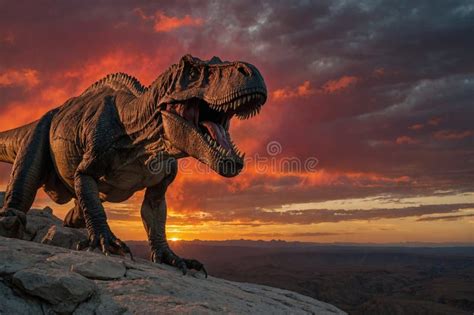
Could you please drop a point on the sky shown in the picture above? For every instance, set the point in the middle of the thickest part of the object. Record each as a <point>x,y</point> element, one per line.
<point>367,135</point>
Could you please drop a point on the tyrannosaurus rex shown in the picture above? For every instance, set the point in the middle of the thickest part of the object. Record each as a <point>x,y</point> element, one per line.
<point>119,137</point>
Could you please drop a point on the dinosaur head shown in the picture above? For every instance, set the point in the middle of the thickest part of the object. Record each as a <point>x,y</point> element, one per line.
<point>200,100</point>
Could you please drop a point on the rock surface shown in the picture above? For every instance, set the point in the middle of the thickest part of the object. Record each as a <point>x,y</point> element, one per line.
<point>38,278</point>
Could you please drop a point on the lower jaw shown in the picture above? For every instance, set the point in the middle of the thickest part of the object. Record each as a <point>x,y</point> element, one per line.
<point>186,138</point>
<point>229,169</point>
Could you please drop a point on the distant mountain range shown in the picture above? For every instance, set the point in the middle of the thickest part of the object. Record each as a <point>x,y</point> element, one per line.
<point>407,278</point>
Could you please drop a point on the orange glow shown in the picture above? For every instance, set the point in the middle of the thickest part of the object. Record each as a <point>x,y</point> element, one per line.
<point>339,84</point>
<point>405,140</point>
<point>164,23</point>
<point>24,77</point>
<point>304,89</point>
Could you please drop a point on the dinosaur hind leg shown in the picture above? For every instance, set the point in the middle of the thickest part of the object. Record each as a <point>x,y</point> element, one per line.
<point>29,170</point>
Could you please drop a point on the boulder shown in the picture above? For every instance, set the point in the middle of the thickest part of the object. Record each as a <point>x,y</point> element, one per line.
<point>100,268</point>
<point>61,288</point>
<point>61,236</point>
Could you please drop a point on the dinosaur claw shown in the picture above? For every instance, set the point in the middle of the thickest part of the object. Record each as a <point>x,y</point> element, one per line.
<point>108,244</point>
<point>82,245</point>
<point>183,268</point>
<point>167,256</point>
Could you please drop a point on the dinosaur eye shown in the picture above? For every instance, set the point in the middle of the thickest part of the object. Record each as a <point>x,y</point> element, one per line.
<point>192,74</point>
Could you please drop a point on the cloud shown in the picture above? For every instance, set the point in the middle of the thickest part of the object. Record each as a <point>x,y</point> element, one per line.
<point>452,135</point>
<point>165,23</point>
<point>342,83</point>
<point>416,127</point>
<point>8,38</point>
<point>434,121</point>
<point>304,89</point>
<point>27,78</point>
<point>315,216</point>
<point>446,217</point>
<point>405,140</point>
<point>302,234</point>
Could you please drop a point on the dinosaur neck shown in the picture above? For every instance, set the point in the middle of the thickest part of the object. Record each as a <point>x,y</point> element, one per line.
<point>141,117</point>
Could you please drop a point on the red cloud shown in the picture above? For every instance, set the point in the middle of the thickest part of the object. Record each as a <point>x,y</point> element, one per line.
<point>23,77</point>
<point>416,127</point>
<point>8,39</point>
<point>164,23</point>
<point>452,135</point>
<point>339,84</point>
<point>406,140</point>
<point>304,89</point>
<point>379,72</point>
<point>434,121</point>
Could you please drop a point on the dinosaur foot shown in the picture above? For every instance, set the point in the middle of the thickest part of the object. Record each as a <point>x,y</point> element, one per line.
<point>167,256</point>
<point>107,243</point>
<point>12,223</point>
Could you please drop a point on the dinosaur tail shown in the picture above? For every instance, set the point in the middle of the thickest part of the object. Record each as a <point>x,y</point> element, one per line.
<point>11,140</point>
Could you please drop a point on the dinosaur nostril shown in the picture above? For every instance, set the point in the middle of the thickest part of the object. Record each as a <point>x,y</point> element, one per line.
<point>244,70</point>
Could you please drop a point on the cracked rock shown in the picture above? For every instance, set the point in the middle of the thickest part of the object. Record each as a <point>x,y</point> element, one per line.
<point>55,286</point>
<point>100,269</point>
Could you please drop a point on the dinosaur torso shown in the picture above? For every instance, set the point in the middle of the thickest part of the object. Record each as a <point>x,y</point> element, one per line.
<point>90,126</point>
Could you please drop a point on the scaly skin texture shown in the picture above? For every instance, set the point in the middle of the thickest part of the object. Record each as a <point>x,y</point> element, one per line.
<point>119,137</point>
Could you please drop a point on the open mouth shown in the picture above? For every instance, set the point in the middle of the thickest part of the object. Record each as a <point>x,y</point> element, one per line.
<point>211,118</point>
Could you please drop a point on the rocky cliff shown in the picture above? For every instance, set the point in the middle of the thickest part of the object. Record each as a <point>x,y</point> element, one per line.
<point>37,278</point>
